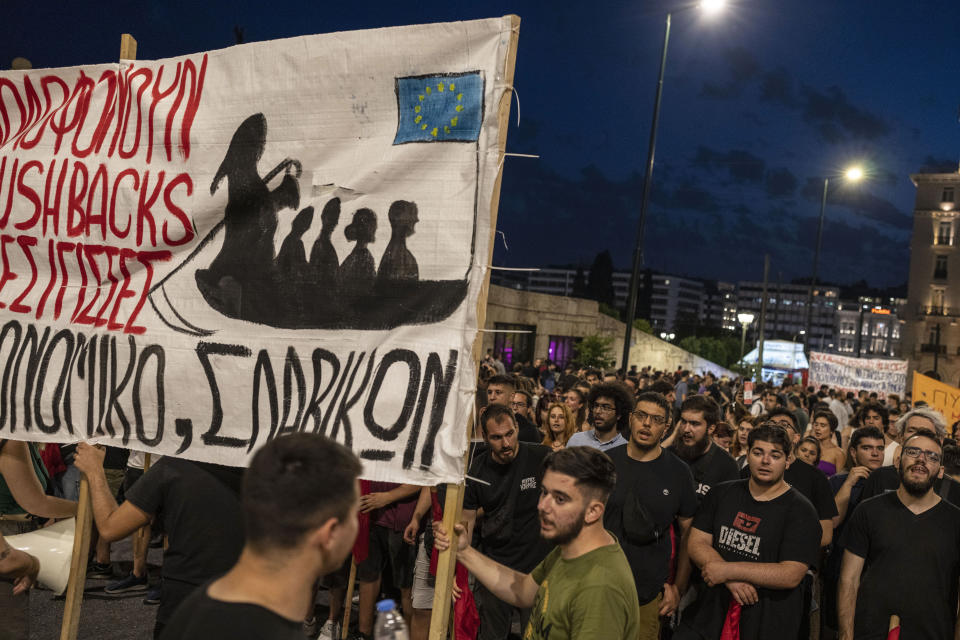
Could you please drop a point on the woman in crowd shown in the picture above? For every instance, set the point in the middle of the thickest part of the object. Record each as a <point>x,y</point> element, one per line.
<point>576,401</point>
<point>543,411</point>
<point>723,435</point>
<point>738,447</point>
<point>23,497</point>
<point>823,427</point>
<point>560,426</point>
<point>808,450</point>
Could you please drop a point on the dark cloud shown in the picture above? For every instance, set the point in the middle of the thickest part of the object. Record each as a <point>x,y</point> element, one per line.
<point>742,166</point>
<point>938,165</point>
<point>860,202</point>
<point>743,66</point>
<point>837,119</point>
<point>693,198</point>
<point>781,183</point>
<point>777,86</point>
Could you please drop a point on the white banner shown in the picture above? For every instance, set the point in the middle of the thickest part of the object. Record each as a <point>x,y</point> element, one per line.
<point>202,253</point>
<point>855,374</point>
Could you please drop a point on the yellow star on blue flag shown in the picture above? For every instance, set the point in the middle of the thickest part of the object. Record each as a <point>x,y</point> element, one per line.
<point>439,108</point>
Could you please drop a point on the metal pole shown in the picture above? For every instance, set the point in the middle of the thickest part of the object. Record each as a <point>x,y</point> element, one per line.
<point>816,260</point>
<point>860,330</point>
<point>647,182</point>
<point>763,317</point>
<point>743,341</point>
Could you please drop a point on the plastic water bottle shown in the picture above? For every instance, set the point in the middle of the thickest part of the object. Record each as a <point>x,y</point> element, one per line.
<point>390,624</point>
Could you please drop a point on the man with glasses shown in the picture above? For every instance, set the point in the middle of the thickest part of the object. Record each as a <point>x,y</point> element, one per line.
<point>887,479</point>
<point>654,489</point>
<point>609,405</point>
<point>902,554</point>
<point>503,482</point>
<point>522,404</point>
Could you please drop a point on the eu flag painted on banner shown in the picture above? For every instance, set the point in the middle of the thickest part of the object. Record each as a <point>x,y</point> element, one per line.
<point>439,108</point>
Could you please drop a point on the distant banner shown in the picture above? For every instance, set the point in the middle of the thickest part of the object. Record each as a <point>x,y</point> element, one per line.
<point>940,396</point>
<point>855,374</point>
<point>203,253</point>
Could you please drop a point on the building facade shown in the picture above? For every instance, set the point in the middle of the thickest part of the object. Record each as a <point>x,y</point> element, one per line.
<point>787,311</point>
<point>867,329</point>
<point>931,336</point>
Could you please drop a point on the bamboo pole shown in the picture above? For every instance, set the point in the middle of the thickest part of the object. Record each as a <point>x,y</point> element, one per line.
<point>453,504</point>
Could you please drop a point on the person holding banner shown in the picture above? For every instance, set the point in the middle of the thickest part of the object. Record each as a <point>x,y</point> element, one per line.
<point>23,486</point>
<point>300,502</point>
<point>583,589</point>
<point>198,506</point>
<point>902,554</point>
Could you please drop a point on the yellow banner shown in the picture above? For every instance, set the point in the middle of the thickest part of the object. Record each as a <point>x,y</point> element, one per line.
<point>939,396</point>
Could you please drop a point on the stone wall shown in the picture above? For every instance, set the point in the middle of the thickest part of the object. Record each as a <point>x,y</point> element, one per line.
<point>564,316</point>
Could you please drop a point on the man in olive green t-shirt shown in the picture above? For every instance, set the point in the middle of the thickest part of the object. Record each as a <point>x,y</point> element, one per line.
<point>583,589</point>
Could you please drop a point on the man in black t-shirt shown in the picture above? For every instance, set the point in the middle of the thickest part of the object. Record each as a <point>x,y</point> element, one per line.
<point>654,489</point>
<point>196,504</point>
<point>510,528</point>
<point>902,554</point>
<point>300,499</point>
<point>753,541</point>
<point>693,444</point>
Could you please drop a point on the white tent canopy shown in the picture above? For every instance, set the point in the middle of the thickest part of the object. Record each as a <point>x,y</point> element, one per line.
<point>779,354</point>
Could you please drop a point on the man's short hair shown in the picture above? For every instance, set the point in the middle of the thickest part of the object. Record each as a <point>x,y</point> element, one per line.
<point>591,468</point>
<point>294,484</point>
<point>863,433</point>
<point>496,413</point>
<point>526,395</point>
<point>621,396</point>
<point>658,399</point>
<point>773,433</point>
<point>593,372</point>
<point>661,386</point>
<point>926,433</point>
<point>505,380</point>
<point>876,407</point>
<point>939,423</point>
<point>705,405</point>
<point>781,411</point>
<point>951,459</point>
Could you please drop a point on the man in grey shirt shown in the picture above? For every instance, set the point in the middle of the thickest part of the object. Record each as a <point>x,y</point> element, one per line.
<point>609,404</point>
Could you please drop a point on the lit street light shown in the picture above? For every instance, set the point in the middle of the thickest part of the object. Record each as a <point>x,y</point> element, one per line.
<point>852,174</point>
<point>667,336</point>
<point>709,7</point>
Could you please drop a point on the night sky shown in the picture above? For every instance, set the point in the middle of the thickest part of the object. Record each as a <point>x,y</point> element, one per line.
<point>760,103</point>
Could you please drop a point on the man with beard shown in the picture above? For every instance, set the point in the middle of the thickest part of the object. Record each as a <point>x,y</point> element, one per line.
<point>753,540</point>
<point>610,405</point>
<point>507,492</point>
<point>887,479</point>
<point>902,554</point>
<point>693,444</point>
<point>583,589</point>
<point>654,490</point>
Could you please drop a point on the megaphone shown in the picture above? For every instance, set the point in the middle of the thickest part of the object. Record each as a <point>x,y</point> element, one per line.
<point>53,547</point>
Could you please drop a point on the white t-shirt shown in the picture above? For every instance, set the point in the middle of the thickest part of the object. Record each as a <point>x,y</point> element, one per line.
<point>888,452</point>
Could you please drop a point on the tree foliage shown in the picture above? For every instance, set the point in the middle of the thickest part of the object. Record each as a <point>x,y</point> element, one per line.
<point>595,351</point>
<point>723,350</point>
<point>600,280</point>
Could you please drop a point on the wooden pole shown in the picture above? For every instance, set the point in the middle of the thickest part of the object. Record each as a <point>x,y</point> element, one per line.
<point>82,534</point>
<point>453,504</point>
<point>78,564</point>
<point>348,598</point>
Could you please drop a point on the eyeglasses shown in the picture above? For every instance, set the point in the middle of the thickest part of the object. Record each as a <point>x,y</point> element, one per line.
<point>643,416</point>
<point>603,408</point>
<point>518,405</point>
<point>916,452</point>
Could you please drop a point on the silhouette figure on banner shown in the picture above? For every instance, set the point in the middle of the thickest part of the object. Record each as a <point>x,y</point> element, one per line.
<point>247,282</point>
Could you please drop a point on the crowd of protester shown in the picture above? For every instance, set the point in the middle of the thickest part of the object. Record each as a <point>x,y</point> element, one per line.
<point>598,504</point>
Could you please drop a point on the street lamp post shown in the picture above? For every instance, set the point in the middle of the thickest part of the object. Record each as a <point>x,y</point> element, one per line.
<point>745,318</point>
<point>852,174</point>
<point>709,6</point>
